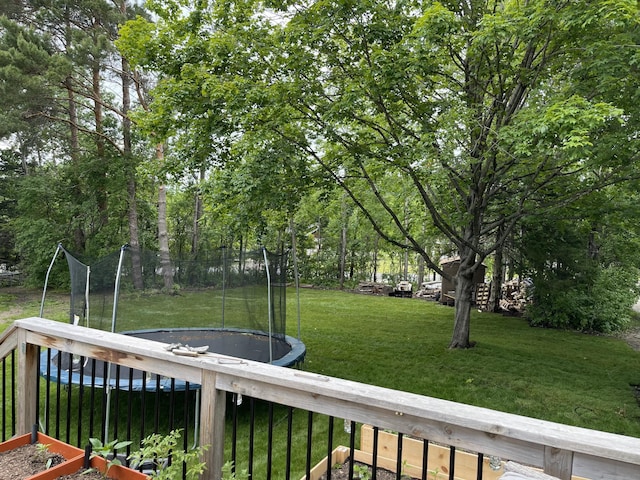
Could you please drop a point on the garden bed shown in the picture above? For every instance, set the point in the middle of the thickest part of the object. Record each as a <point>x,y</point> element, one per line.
<point>44,459</point>
<point>51,459</point>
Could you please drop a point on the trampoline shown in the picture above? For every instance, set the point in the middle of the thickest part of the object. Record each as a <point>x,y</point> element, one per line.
<point>245,344</point>
<point>244,317</point>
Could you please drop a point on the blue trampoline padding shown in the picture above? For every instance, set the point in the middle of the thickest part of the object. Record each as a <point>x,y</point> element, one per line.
<point>247,344</point>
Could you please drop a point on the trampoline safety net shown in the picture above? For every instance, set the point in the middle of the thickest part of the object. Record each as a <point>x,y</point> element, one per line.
<point>227,289</point>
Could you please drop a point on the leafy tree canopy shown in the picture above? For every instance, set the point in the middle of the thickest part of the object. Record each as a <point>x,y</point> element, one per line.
<point>490,111</point>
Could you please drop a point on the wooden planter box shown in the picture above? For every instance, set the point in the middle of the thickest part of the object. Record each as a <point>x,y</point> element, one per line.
<point>70,453</point>
<point>338,455</point>
<point>116,472</point>
<point>74,459</point>
<point>341,454</point>
<point>437,460</point>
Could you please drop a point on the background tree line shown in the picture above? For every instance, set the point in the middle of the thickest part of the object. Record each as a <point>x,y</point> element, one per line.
<point>501,132</point>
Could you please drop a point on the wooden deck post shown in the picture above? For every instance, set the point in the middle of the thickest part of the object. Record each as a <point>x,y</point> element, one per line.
<point>212,413</point>
<point>27,385</point>
<point>558,463</point>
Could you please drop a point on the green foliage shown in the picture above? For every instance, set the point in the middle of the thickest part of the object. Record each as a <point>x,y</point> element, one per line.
<point>361,472</point>
<point>10,171</point>
<point>157,449</point>
<point>42,451</point>
<point>467,118</point>
<point>601,302</point>
<point>106,451</point>
<point>584,270</point>
<point>229,473</point>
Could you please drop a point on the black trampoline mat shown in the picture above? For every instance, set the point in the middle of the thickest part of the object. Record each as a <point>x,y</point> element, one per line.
<point>235,343</point>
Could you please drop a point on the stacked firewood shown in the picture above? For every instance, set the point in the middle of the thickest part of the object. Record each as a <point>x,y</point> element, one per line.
<point>515,295</point>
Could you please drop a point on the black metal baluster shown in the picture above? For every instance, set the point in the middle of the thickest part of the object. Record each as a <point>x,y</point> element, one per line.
<point>172,404</point>
<point>399,458</point>
<point>58,395</point>
<point>172,390</point>
<point>105,388</point>
<point>80,402</point>
<point>4,397</point>
<point>47,394</point>
<point>452,463</point>
<point>129,413</point>
<point>92,398</point>
<point>252,425</point>
<point>38,370</point>
<point>425,459</point>
<point>13,392</point>
<point>352,447</point>
<point>116,406</point>
<point>374,460</point>
<point>309,441</point>
<point>329,447</point>
<point>480,466</point>
<point>234,431</point>
<point>185,420</point>
<point>270,441</point>
<point>69,389</point>
<point>289,441</point>
<point>156,413</point>
<point>143,406</point>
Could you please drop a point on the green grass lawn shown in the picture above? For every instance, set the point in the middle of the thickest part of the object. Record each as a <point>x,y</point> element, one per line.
<point>399,343</point>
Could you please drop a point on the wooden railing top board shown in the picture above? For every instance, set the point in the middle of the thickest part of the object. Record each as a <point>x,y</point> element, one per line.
<point>479,429</point>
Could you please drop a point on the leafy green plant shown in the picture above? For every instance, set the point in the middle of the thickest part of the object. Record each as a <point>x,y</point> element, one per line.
<point>228,473</point>
<point>158,449</point>
<point>42,451</point>
<point>404,474</point>
<point>361,472</point>
<point>108,452</point>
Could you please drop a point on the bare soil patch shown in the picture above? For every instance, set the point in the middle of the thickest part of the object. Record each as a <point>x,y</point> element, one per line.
<point>83,475</point>
<point>632,337</point>
<point>26,460</point>
<point>342,473</point>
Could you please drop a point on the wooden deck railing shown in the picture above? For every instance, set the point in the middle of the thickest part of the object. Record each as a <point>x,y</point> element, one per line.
<point>559,450</point>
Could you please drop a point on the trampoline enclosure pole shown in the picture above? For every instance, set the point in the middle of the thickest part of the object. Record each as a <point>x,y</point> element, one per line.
<point>46,280</point>
<point>266,263</point>
<point>86,299</point>
<point>224,279</point>
<point>294,253</point>
<point>116,290</point>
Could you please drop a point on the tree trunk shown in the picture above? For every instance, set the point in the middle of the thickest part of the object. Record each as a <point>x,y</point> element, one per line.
<point>420,270</point>
<point>343,254</point>
<point>463,282</point>
<point>132,211</point>
<point>405,265</point>
<point>101,166</point>
<point>197,215</point>
<point>163,234</point>
<point>134,236</point>
<point>343,243</point>
<point>496,281</point>
<point>78,232</point>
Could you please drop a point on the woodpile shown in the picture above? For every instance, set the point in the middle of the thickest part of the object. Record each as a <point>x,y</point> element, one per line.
<point>515,295</point>
<point>374,288</point>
